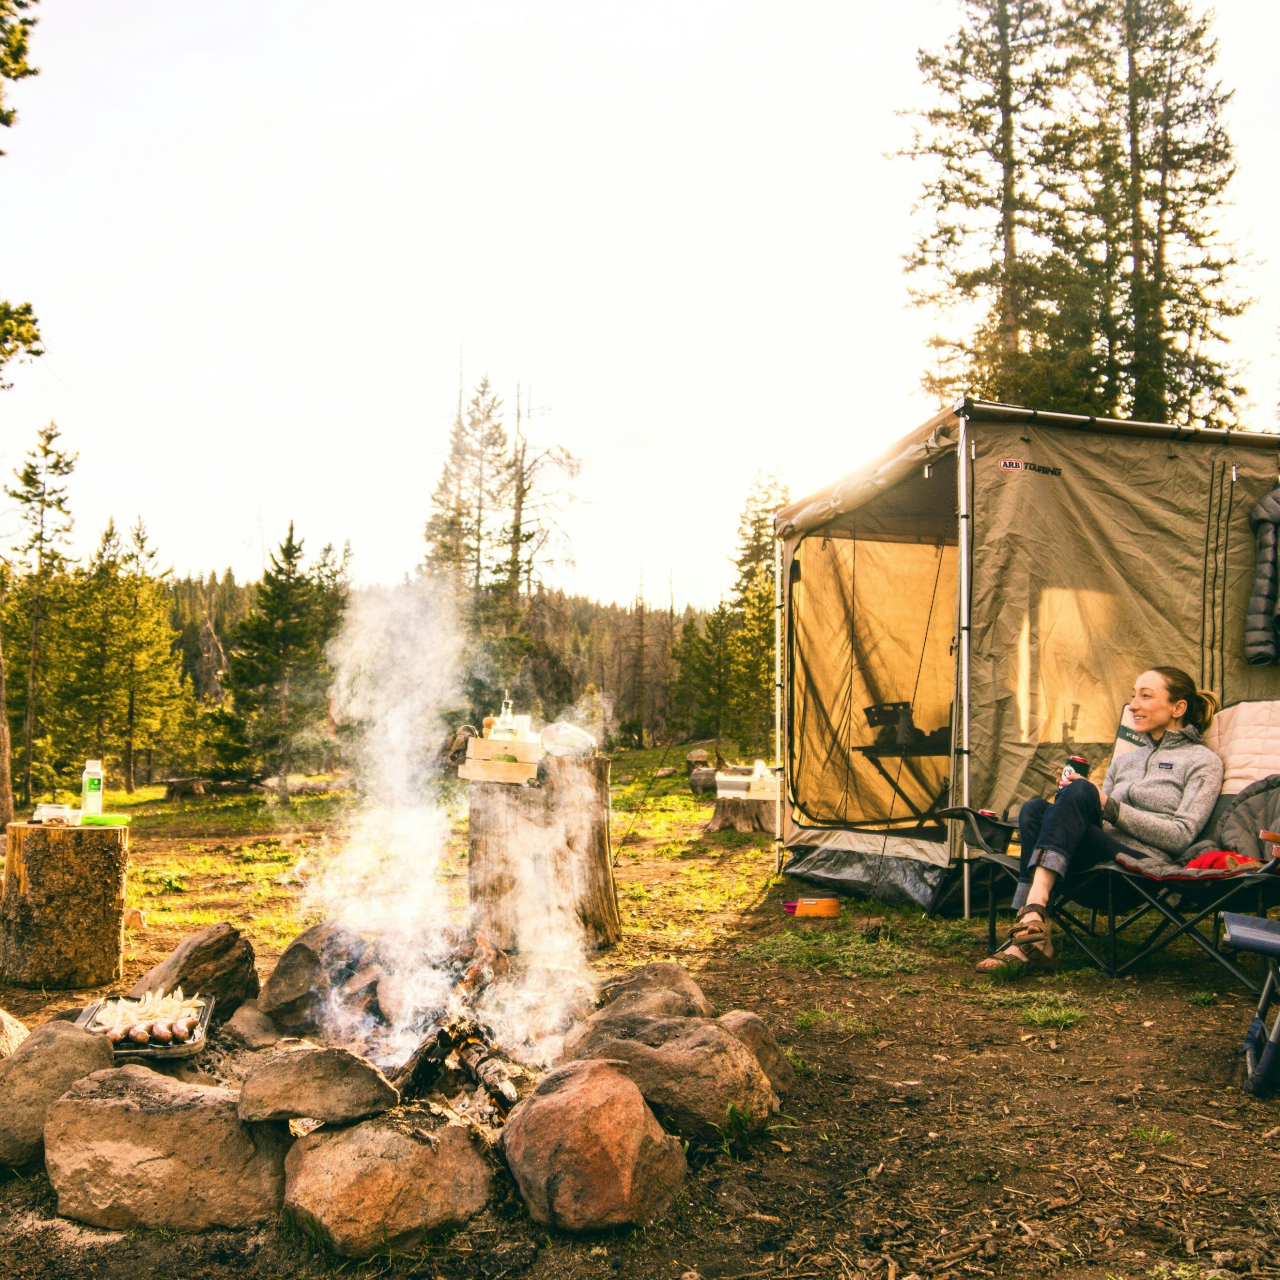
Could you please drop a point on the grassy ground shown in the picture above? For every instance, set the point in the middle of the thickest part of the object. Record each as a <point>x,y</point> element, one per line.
<point>946,1124</point>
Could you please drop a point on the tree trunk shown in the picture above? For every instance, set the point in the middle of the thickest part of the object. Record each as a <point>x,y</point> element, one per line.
<point>6,776</point>
<point>29,713</point>
<point>540,868</point>
<point>743,815</point>
<point>1009,308</point>
<point>128,746</point>
<point>282,773</point>
<point>62,914</point>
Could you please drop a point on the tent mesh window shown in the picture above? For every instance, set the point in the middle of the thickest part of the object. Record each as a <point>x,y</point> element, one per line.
<point>872,630</point>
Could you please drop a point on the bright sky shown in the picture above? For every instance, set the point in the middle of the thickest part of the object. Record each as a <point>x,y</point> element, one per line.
<point>258,237</point>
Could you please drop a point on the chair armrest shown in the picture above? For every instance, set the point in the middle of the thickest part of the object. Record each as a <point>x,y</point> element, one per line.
<point>973,824</point>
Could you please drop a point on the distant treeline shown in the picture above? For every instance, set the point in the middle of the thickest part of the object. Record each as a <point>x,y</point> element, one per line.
<point>112,658</point>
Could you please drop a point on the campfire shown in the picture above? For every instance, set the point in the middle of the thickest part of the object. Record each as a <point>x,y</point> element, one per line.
<point>413,1049</point>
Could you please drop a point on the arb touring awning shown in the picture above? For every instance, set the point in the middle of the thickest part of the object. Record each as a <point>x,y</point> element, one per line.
<point>972,606</point>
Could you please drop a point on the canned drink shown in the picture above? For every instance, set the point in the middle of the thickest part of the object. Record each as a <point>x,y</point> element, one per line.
<point>1076,767</point>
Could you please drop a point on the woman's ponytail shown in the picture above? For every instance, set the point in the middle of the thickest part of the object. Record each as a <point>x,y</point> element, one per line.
<point>1202,704</point>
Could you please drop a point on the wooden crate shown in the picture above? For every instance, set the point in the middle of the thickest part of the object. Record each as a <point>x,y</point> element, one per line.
<point>497,771</point>
<point>487,748</point>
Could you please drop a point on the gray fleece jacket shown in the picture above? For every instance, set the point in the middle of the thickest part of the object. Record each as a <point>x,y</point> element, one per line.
<point>1160,795</point>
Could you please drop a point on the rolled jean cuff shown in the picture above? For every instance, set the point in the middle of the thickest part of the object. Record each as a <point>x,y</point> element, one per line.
<point>1020,894</point>
<point>1052,860</point>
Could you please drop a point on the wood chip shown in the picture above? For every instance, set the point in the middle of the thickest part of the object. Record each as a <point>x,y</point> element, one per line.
<point>763,1217</point>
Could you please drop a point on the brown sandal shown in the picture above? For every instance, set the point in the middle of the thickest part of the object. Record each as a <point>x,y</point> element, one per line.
<point>1030,938</point>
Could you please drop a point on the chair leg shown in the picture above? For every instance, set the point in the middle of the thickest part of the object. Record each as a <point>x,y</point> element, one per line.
<point>1111,923</point>
<point>1264,1076</point>
<point>991,908</point>
<point>1093,919</point>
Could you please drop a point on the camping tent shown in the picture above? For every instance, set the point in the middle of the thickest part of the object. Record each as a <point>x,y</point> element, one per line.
<point>971,607</point>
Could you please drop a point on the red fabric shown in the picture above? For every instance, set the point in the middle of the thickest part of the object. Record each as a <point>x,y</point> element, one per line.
<point>1221,860</point>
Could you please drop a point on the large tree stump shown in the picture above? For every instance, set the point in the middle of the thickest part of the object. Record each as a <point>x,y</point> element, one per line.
<point>732,814</point>
<point>62,913</point>
<point>541,864</point>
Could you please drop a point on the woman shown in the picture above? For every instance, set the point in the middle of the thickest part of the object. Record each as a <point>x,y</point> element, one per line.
<point>1154,801</point>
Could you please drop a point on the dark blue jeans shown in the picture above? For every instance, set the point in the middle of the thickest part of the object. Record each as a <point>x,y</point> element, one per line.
<point>1063,835</point>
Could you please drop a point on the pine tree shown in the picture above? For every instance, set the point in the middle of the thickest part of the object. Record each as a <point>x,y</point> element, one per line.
<point>756,538</point>
<point>751,650</point>
<point>150,681</point>
<point>1080,159</point>
<point>468,530</point>
<point>19,328</point>
<point>47,525</point>
<point>995,84</point>
<point>88,696</point>
<point>1151,70</point>
<point>278,678</point>
<point>534,529</point>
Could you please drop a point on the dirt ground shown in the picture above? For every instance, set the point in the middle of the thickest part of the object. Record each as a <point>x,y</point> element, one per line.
<point>944,1125</point>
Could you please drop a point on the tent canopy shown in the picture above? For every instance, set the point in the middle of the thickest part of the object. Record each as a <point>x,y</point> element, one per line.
<point>1098,549</point>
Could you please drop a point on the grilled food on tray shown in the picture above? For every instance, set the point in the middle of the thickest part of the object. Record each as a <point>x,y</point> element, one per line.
<point>155,1019</point>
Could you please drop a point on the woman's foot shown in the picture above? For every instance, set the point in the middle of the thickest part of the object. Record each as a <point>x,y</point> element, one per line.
<point>1029,944</point>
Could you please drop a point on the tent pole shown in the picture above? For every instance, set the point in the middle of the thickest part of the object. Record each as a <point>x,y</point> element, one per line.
<point>966,521</point>
<point>779,768</point>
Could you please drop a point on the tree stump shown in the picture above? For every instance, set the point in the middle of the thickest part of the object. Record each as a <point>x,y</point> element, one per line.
<point>743,815</point>
<point>62,913</point>
<point>541,865</point>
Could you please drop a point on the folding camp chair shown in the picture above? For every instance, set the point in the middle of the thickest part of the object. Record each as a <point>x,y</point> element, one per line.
<point>1089,890</point>
<point>1261,1048</point>
<point>1125,896</point>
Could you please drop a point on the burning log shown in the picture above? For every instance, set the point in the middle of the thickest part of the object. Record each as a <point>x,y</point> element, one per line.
<point>486,1069</point>
<point>541,854</point>
<point>423,1066</point>
<point>477,1057</point>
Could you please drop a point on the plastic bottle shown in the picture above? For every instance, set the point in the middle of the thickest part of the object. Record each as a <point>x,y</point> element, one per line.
<point>506,725</point>
<point>92,782</point>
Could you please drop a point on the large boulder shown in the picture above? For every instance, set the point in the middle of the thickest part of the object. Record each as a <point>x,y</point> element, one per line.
<point>312,966</point>
<point>335,1086</point>
<point>692,1071</point>
<point>661,975</point>
<point>588,1154</point>
<point>217,961</point>
<point>624,1019</point>
<point>40,1069</point>
<point>386,1182</point>
<point>250,1028</point>
<point>751,1030</point>
<point>12,1033</point>
<point>132,1148</point>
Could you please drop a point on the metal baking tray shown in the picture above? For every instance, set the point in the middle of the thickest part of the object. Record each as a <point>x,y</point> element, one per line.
<point>144,1052</point>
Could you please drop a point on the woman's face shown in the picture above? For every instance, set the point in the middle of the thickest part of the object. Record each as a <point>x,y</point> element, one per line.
<point>1152,711</point>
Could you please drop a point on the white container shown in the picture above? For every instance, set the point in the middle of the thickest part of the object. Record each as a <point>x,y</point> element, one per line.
<point>58,815</point>
<point>562,739</point>
<point>92,782</point>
